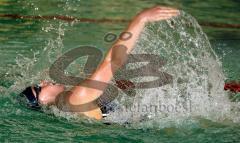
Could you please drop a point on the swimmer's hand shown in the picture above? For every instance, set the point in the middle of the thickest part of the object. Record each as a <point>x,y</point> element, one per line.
<point>157,13</point>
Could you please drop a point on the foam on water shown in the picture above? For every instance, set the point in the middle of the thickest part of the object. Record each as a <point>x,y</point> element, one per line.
<point>197,86</point>
<point>197,83</point>
<point>34,68</point>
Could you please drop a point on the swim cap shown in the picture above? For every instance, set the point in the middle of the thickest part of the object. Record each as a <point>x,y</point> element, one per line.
<point>29,98</point>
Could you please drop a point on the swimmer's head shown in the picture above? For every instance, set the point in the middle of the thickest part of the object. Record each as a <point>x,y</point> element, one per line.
<point>43,94</point>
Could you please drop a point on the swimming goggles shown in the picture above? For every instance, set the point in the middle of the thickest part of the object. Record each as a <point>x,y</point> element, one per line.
<point>32,100</point>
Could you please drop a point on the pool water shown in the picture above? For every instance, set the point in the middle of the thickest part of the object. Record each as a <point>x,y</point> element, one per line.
<point>30,27</point>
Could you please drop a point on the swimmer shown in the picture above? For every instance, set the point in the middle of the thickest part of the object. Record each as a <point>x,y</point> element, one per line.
<point>47,93</point>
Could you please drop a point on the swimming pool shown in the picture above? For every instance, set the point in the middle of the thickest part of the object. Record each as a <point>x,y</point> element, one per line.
<point>29,26</point>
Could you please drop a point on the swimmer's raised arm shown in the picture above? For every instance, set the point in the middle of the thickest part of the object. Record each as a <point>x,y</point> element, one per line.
<point>138,22</point>
<point>116,56</point>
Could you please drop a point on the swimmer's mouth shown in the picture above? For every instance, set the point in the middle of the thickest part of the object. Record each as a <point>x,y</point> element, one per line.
<point>57,84</point>
<point>51,83</point>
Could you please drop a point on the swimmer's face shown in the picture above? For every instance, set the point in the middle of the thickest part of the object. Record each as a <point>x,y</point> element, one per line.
<point>49,92</point>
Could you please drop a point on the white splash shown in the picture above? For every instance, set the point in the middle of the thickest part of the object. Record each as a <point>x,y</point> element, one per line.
<point>198,80</point>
